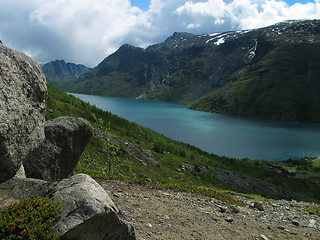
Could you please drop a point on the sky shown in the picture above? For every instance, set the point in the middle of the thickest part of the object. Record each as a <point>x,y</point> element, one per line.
<point>87,31</point>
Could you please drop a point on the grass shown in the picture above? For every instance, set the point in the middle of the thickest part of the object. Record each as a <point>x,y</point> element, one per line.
<point>104,158</point>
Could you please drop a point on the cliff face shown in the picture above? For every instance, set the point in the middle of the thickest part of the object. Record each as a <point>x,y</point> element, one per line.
<point>268,73</point>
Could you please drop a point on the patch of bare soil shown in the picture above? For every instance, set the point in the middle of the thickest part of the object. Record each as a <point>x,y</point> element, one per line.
<point>165,214</point>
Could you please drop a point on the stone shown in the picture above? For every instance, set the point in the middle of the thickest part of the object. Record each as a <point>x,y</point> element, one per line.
<point>296,223</point>
<point>235,210</point>
<point>312,223</point>
<point>88,212</point>
<point>229,219</point>
<point>223,209</point>
<point>23,92</point>
<point>59,153</point>
<point>20,173</point>
<point>263,237</point>
<point>259,205</point>
<point>17,189</point>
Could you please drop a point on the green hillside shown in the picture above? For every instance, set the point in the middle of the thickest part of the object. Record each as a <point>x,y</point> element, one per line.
<point>124,150</point>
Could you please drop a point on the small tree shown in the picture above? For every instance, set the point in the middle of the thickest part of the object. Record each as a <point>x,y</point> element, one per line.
<point>111,151</point>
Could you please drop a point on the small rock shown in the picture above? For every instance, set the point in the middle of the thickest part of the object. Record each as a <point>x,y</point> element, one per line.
<point>235,210</point>
<point>223,209</point>
<point>312,223</point>
<point>116,195</point>
<point>296,223</point>
<point>149,225</point>
<point>263,237</point>
<point>229,219</point>
<point>259,205</point>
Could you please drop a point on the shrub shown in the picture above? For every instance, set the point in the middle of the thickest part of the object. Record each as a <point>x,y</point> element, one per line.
<point>29,219</point>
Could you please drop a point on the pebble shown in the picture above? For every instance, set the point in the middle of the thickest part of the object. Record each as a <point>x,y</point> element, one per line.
<point>222,209</point>
<point>312,223</point>
<point>259,205</point>
<point>263,237</point>
<point>296,223</point>
<point>229,219</point>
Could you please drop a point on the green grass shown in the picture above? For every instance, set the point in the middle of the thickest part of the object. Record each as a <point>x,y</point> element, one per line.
<point>29,219</point>
<point>104,159</point>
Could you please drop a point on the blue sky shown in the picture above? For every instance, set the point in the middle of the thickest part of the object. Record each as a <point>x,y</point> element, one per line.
<point>142,4</point>
<point>86,31</point>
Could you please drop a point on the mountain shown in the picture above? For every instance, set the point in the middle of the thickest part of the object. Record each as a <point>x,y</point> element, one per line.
<point>269,73</point>
<point>59,70</point>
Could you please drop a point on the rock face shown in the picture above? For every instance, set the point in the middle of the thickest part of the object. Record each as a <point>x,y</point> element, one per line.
<point>87,210</point>
<point>22,109</point>
<point>58,155</point>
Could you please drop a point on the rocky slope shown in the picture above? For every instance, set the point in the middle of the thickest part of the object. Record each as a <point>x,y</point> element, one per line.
<point>58,70</point>
<point>165,214</point>
<point>268,73</point>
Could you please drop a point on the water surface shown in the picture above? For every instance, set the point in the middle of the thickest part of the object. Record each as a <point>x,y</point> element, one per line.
<point>214,133</point>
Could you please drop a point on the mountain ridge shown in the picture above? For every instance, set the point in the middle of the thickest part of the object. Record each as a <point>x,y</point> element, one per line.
<point>59,70</point>
<point>243,73</point>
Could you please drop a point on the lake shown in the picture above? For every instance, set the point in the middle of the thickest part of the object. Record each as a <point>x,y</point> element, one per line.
<point>214,133</point>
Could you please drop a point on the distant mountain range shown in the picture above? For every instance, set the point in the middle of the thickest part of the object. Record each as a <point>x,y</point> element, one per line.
<point>269,73</point>
<point>59,71</point>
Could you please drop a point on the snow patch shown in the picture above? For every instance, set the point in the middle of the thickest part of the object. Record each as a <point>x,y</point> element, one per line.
<point>215,36</point>
<point>220,41</point>
<point>252,51</point>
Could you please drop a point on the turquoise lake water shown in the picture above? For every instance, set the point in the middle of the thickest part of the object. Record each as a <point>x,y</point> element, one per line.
<point>214,133</point>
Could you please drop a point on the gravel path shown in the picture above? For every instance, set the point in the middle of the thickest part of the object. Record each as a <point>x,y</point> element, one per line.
<point>165,214</point>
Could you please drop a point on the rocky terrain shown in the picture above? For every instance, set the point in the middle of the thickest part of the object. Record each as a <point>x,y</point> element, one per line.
<point>166,214</point>
<point>38,157</point>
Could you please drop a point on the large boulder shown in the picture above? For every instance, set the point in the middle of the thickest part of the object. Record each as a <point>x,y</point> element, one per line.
<point>58,154</point>
<point>88,213</point>
<point>23,93</point>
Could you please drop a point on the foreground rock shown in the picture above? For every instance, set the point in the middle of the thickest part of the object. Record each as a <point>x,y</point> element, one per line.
<point>22,109</point>
<point>59,153</point>
<point>87,210</point>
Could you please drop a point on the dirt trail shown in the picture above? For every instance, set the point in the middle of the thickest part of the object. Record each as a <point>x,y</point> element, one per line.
<point>164,214</point>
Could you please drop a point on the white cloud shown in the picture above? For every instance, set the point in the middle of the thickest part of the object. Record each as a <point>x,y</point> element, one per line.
<point>86,31</point>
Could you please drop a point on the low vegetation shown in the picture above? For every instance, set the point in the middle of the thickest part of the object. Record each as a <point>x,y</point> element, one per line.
<point>125,150</point>
<point>29,219</point>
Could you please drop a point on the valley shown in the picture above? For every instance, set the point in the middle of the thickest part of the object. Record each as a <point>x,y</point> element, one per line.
<point>267,73</point>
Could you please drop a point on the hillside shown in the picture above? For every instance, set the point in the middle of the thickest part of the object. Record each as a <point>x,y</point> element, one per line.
<point>124,150</point>
<point>58,71</point>
<point>171,190</point>
<point>268,73</point>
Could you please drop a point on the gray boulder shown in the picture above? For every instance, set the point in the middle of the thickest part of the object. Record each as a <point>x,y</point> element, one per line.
<point>87,210</point>
<point>59,153</point>
<point>23,93</point>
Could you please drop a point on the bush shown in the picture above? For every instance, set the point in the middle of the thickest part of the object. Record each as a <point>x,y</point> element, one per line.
<point>29,219</point>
